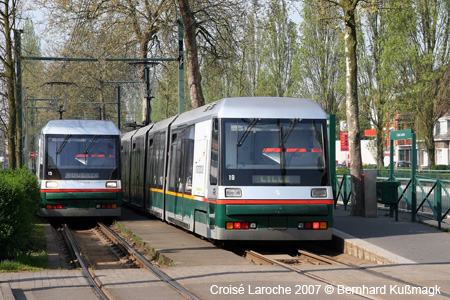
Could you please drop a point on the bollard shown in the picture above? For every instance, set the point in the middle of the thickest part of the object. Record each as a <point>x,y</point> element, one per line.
<point>370,194</point>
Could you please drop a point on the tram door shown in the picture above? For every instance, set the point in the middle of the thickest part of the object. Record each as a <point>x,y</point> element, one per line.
<point>180,175</point>
<point>199,176</point>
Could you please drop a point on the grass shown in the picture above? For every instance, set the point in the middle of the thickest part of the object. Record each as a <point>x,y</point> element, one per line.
<point>34,259</point>
<point>145,249</point>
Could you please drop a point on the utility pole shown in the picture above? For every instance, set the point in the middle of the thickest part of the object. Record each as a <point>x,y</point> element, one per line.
<point>180,67</point>
<point>119,97</point>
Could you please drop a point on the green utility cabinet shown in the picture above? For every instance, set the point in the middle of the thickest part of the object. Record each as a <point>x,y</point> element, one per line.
<point>387,193</point>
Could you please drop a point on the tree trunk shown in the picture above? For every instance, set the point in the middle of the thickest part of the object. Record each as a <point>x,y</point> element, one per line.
<point>17,79</point>
<point>380,145</point>
<point>193,70</point>
<point>10,85</point>
<point>352,107</point>
<point>429,142</point>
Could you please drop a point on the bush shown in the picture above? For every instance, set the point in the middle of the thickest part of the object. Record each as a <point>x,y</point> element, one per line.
<point>369,167</point>
<point>439,167</point>
<point>19,204</point>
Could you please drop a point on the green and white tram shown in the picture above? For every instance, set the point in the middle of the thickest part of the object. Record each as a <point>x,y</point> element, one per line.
<point>236,169</point>
<point>79,169</point>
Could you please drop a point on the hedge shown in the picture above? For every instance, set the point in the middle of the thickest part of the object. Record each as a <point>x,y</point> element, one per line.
<point>19,204</point>
<point>439,167</point>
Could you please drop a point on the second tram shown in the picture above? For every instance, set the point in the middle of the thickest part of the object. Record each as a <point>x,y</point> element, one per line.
<point>79,169</point>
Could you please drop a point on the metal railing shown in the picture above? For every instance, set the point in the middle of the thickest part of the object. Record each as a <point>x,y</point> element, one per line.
<point>428,193</point>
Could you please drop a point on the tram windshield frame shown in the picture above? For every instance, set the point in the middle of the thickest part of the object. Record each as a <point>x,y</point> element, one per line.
<point>274,152</point>
<point>82,157</point>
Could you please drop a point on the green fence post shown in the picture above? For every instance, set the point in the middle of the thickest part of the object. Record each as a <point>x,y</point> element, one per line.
<point>413,177</point>
<point>438,200</point>
<point>391,160</point>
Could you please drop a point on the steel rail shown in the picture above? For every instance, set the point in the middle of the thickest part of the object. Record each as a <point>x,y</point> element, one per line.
<point>260,257</point>
<point>88,273</point>
<point>368,269</point>
<point>326,260</point>
<point>146,264</point>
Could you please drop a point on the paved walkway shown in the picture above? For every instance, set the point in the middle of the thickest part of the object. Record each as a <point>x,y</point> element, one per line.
<point>413,241</point>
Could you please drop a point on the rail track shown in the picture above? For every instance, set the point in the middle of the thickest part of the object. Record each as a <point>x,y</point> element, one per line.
<point>125,257</point>
<point>295,264</point>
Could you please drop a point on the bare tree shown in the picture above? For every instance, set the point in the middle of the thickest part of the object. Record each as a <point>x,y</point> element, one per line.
<point>193,69</point>
<point>140,20</point>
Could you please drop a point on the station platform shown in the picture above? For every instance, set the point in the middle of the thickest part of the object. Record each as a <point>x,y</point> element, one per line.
<point>399,242</point>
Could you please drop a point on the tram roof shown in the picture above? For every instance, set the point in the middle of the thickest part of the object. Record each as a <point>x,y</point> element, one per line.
<point>90,127</point>
<point>257,107</point>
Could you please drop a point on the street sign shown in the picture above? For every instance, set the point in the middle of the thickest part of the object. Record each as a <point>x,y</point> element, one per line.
<point>401,134</point>
<point>32,155</point>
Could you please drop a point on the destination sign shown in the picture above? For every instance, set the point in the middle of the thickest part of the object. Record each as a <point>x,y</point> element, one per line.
<point>81,176</point>
<point>275,179</point>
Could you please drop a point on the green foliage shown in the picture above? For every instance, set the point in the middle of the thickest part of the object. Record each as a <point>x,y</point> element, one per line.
<point>279,48</point>
<point>19,200</point>
<point>32,259</point>
<point>417,56</point>
<point>165,104</point>
<point>368,167</point>
<point>439,167</point>
<point>321,62</point>
<point>341,171</point>
<point>26,261</point>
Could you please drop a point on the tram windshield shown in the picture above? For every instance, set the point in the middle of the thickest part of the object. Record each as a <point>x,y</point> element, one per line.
<point>81,157</point>
<point>274,152</point>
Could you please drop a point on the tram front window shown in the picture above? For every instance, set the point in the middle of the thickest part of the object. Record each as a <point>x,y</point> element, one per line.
<point>76,157</point>
<point>267,152</point>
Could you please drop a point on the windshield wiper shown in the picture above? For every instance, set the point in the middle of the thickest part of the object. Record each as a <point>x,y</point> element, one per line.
<point>247,131</point>
<point>289,131</point>
<point>66,139</point>
<point>91,144</point>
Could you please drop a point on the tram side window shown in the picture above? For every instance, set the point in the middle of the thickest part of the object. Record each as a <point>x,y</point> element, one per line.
<point>151,162</point>
<point>188,159</point>
<point>214,153</point>
<point>155,161</point>
<point>160,156</point>
<point>173,159</point>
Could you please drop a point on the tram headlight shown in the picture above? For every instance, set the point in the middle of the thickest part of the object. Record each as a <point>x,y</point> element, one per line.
<point>319,193</point>
<point>233,193</point>
<point>111,184</point>
<point>51,184</point>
